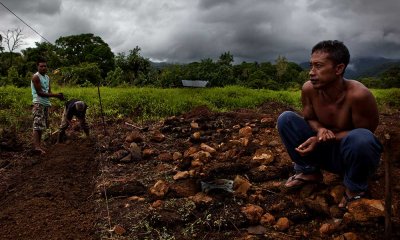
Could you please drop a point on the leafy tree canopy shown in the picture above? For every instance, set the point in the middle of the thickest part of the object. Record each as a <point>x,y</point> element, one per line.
<point>77,49</point>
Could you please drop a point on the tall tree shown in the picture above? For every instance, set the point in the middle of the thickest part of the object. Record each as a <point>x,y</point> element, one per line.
<point>135,67</point>
<point>14,38</point>
<point>226,58</point>
<point>77,49</point>
<point>1,44</point>
<point>44,49</point>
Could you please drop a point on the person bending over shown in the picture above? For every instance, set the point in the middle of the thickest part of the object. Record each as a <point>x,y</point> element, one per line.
<point>73,108</point>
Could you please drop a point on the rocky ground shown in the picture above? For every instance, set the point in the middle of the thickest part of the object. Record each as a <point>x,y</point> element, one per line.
<point>201,175</point>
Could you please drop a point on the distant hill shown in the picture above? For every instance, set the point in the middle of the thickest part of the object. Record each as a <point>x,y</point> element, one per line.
<point>160,65</point>
<point>365,67</point>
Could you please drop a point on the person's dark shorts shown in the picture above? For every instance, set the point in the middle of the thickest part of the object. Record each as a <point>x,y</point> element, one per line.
<point>40,115</point>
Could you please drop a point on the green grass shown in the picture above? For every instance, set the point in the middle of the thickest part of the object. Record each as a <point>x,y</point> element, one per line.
<point>154,103</point>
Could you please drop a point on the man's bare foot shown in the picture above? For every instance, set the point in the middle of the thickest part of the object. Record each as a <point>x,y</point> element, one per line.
<point>300,179</point>
<point>350,196</point>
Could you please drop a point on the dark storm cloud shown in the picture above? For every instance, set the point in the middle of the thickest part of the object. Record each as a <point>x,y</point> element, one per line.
<point>253,31</point>
<point>370,28</point>
<point>29,7</point>
<point>207,4</point>
<point>185,31</point>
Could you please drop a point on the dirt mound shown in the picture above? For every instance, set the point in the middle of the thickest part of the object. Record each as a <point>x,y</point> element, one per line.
<point>52,198</point>
<point>203,111</point>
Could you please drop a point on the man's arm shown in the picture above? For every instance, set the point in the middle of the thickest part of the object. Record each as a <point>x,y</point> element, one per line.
<point>323,134</point>
<point>364,110</point>
<point>39,90</point>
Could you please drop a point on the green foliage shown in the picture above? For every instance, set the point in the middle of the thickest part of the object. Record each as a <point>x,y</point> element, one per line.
<point>136,69</point>
<point>42,50</point>
<point>115,78</point>
<point>372,82</point>
<point>226,58</point>
<point>85,74</point>
<point>15,110</point>
<point>15,79</point>
<point>387,98</point>
<point>86,60</point>
<point>391,77</point>
<point>77,49</point>
<point>141,104</point>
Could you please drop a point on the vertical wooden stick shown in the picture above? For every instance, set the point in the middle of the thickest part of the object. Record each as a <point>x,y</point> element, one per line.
<point>388,187</point>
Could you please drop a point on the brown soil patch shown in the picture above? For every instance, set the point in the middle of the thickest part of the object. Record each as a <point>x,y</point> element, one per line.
<point>52,195</point>
<point>80,191</point>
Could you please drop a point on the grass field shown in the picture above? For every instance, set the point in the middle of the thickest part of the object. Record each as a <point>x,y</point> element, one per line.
<point>154,103</point>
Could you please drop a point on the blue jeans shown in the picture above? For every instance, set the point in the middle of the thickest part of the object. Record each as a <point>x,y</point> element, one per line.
<point>355,157</point>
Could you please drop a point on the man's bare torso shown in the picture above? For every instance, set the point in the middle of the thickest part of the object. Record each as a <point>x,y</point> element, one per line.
<point>335,113</point>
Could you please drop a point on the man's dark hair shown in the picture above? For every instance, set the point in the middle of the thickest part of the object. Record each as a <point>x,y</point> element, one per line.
<point>40,60</point>
<point>337,51</point>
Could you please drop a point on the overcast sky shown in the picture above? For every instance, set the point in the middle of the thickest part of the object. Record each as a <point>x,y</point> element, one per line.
<point>191,30</point>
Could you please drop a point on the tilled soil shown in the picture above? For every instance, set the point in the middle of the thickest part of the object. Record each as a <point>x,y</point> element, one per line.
<point>124,185</point>
<point>52,195</point>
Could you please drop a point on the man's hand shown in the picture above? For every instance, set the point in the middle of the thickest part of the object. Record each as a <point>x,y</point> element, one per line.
<point>307,147</point>
<point>61,96</point>
<point>325,135</point>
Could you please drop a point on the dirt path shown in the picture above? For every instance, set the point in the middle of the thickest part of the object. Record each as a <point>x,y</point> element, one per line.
<point>52,199</point>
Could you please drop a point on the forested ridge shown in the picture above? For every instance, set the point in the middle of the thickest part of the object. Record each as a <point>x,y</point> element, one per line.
<point>87,60</point>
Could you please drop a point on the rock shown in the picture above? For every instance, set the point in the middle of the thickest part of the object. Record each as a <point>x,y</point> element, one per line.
<point>125,188</point>
<point>135,152</point>
<point>329,228</point>
<point>196,163</point>
<point>273,143</point>
<point>134,136</point>
<point>265,157</point>
<point>348,236</point>
<point>267,219</point>
<point>282,224</point>
<point>149,152</point>
<point>159,189</point>
<point>183,188</point>
<point>336,212</point>
<point>240,186</point>
<point>201,198</point>
<point>201,155</point>
<point>307,190</point>
<point>257,230</point>
<point>189,152</point>
<point>245,132</point>
<point>126,159</point>
<point>332,179</point>
<point>207,148</point>
<point>158,137</point>
<point>118,155</point>
<point>157,204</point>
<point>194,125</point>
<point>319,204</point>
<point>196,135</point>
<point>366,209</point>
<point>136,199</point>
<point>165,157</point>
<point>337,193</point>
<point>231,153</point>
<point>181,175</point>
<point>119,230</point>
<point>267,122</point>
<point>252,212</point>
<point>244,142</point>
<point>176,156</point>
<point>236,126</point>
